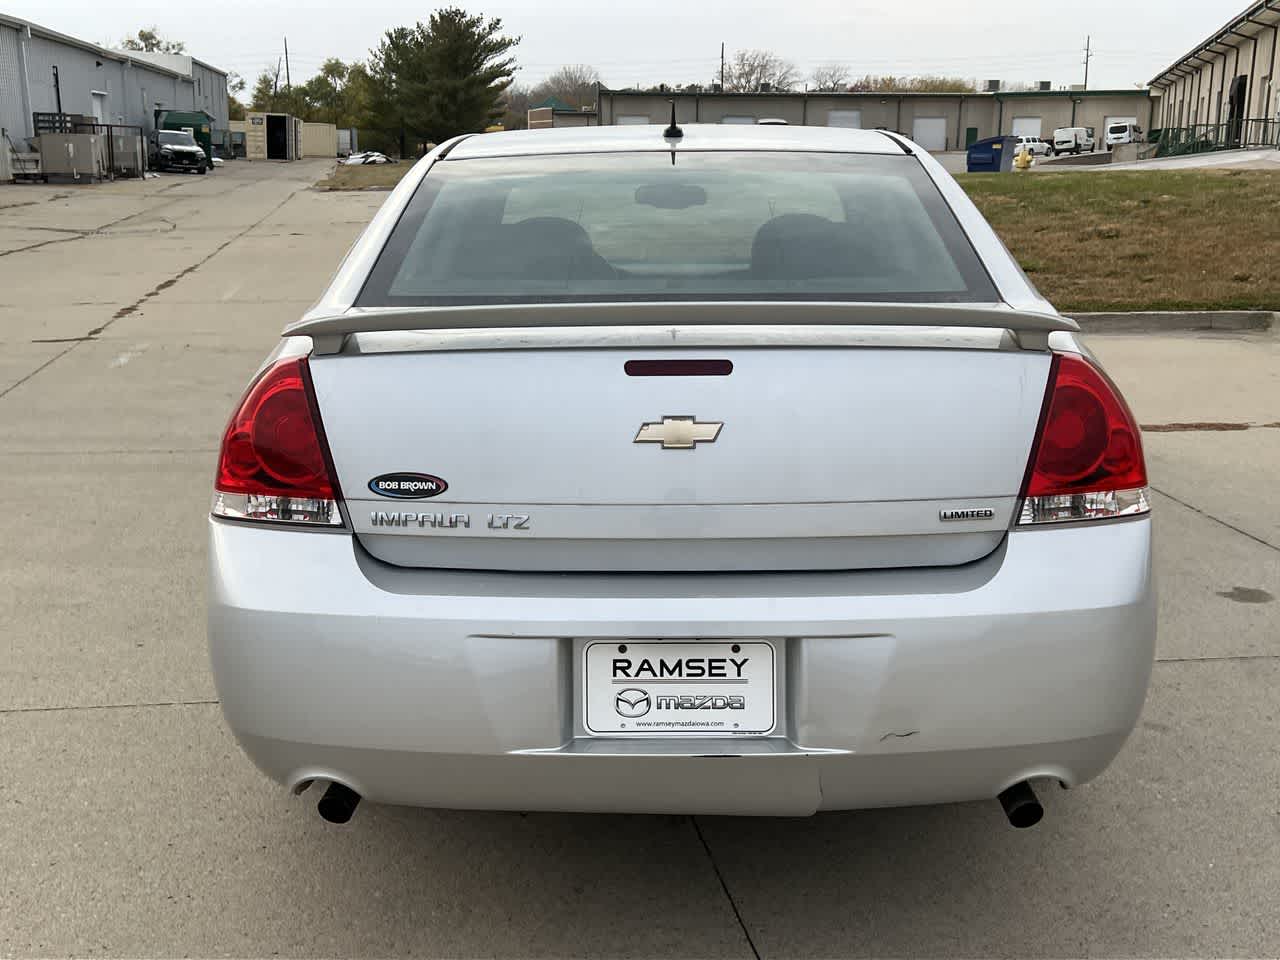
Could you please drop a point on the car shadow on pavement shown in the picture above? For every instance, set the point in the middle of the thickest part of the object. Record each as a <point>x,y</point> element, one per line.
<point>944,880</point>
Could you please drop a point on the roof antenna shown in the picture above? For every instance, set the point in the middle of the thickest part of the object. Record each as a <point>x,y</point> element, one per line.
<point>673,132</point>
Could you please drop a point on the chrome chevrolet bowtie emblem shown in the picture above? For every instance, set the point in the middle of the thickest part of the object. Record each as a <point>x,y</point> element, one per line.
<point>678,433</point>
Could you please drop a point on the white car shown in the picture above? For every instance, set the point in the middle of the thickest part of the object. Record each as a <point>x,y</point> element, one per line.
<point>1118,133</point>
<point>1074,140</point>
<point>1036,146</point>
<point>706,470</point>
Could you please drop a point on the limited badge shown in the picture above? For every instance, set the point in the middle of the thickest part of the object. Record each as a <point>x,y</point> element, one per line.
<point>408,486</point>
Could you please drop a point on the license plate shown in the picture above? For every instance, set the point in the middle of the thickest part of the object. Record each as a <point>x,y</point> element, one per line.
<point>702,688</point>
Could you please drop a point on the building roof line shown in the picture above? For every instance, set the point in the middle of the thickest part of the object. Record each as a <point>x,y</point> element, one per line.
<point>884,94</point>
<point>120,56</point>
<point>1250,15</point>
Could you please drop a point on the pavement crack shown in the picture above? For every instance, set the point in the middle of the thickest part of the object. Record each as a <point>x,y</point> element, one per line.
<point>56,357</point>
<point>109,706</point>
<point>155,291</point>
<point>1205,427</point>
<point>1209,516</point>
<point>42,243</point>
<point>1237,657</point>
<point>725,887</point>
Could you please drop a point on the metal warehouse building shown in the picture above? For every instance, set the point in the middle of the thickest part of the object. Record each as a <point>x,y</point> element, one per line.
<point>935,121</point>
<point>43,71</point>
<point>1224,92</point>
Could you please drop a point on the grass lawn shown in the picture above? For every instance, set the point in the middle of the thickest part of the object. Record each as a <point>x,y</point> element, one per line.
<point>367,176</point>
<point>1159,240</point>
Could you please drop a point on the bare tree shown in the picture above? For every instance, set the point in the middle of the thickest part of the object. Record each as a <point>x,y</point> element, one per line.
<point>574,84</point>
<point>831,76</point>
<point>516,100</point>
<point>747,70</point>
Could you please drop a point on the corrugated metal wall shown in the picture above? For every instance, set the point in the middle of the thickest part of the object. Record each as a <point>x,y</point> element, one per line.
<point>210,94</point>
<point>133,90</point>
<point>12,116</point>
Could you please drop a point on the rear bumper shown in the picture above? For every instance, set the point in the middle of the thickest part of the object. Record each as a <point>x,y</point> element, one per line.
<point>459,689</point>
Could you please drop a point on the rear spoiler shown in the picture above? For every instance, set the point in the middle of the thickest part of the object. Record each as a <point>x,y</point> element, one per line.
<point>329,332</point>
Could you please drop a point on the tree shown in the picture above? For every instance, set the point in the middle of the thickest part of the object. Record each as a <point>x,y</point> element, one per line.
<point>923,84</point>
<point>747,70</point>
<point>270,96</point>
<point>148,40</point>
<point>326,92</point>
<point>831,77</point>
<point>441,78</point>
<point>574,84</point>
<point>235,87</point>
<point>516,99</point>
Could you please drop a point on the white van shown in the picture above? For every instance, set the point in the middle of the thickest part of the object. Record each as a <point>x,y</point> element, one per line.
<point>1123,131</point>
<point>1073,140</point>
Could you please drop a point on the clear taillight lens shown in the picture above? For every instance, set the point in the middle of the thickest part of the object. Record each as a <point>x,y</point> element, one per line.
<point>274,464</point>
<point>1087,461</point>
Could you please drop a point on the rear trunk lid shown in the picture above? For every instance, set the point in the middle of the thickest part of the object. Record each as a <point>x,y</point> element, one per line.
<point>885,453</point>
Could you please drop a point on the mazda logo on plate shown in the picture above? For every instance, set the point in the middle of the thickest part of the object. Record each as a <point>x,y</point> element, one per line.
<point>632,703</point>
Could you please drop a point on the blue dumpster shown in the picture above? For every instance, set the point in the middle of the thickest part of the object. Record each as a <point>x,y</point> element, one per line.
<point>992,155</point>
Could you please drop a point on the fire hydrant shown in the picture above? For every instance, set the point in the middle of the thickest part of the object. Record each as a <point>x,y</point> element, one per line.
<point>1022,160</point>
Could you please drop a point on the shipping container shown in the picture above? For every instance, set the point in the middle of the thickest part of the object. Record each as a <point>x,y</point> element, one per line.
<point>319,140</point>
<point>272,136</point>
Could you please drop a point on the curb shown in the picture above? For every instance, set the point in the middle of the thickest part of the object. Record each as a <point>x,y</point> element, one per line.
<point>1160,320</point>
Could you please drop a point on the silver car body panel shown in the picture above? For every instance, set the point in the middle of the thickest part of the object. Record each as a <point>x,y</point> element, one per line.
<point>456,688</point>
<point>986,656</point>
<point>827,458</point>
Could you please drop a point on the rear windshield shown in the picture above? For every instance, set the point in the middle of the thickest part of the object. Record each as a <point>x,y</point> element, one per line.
<point>177,138</point>
<point>1119,128</point>
<point>653,226</point>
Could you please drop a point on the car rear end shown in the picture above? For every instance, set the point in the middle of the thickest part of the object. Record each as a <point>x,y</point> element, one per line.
<point>1118,133</point>
<point>727,481</point>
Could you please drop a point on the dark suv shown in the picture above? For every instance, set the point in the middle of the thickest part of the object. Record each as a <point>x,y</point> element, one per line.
<point>177,150</point>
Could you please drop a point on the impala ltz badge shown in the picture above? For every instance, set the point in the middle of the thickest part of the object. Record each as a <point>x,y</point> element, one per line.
<point>679,433</point>
<point>408,486</point>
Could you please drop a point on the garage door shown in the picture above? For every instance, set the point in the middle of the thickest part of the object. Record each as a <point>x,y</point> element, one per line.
<point>930,133</point>
<point>632,119</point>
<point>1026,127</point>
<point>845,118</point>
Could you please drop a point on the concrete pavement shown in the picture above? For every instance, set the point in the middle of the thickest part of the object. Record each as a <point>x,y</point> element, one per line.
<point>132,826</point>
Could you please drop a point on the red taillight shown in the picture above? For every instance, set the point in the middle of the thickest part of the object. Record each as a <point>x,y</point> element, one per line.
<point>274,464</point>
<point>1086,462</point>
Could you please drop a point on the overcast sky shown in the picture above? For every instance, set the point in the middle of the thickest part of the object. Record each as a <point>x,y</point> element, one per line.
<point>678,41</point>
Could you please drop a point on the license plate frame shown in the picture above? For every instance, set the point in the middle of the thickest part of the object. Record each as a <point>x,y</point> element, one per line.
<point>679,688</point>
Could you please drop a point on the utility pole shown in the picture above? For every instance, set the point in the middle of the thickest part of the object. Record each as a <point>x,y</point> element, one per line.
<point>288,83</point>
<point>1087,57</point>
<point>722,90</point>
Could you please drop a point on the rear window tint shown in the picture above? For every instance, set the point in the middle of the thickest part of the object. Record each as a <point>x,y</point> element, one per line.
<point>636,226</point>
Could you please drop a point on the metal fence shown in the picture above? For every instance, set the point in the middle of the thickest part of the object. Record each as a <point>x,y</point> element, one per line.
<point>123,145</point>
<point>1231,135</point>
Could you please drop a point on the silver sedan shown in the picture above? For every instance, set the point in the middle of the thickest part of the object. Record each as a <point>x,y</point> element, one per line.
<point>701,470</point>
